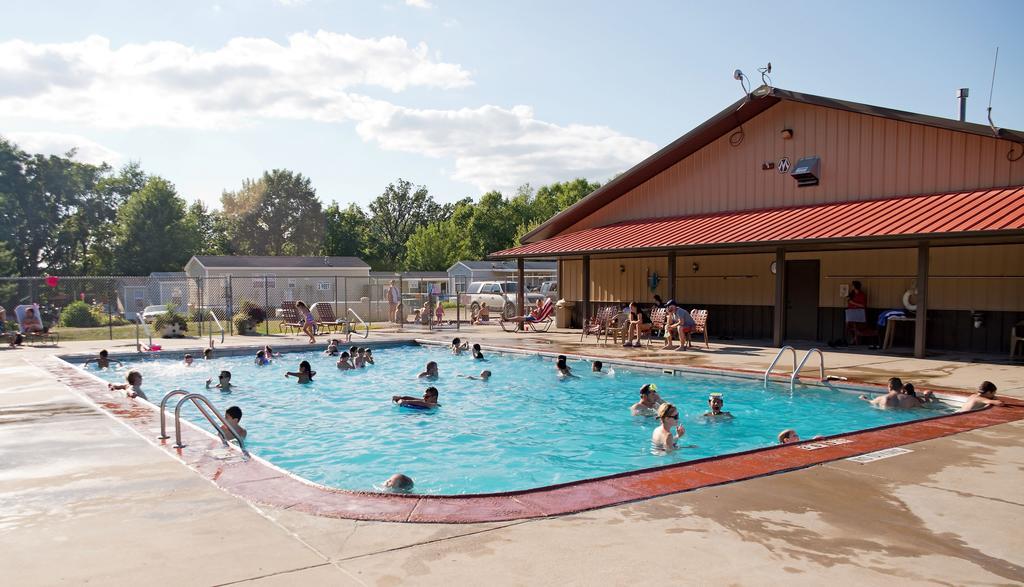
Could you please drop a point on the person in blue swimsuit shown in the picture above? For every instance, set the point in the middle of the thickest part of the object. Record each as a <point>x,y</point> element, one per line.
<point>428,401</point>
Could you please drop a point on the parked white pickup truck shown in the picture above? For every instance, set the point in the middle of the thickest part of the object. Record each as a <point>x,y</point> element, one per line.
<point>500,297</point>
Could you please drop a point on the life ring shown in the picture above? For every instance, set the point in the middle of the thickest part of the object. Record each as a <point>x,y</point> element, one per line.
<point>906,300</point>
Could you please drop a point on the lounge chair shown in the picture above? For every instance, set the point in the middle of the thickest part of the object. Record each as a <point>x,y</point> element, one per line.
<point>326,320</point>
<point>599,323</point>
<point>658,316</point>
<point>701,318</point>
<point>541,323</point>
<point>289,318</point>
<point>33,337</point>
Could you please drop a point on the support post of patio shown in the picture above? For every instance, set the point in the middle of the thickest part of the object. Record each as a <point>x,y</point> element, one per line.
<point>521,288</point>
<point>779,316</point>
<point>921,322</point>
<point>672,275</point>
<point>586,288</point>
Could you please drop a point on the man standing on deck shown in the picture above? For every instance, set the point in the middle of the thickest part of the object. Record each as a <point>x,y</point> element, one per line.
<point>394,301</point>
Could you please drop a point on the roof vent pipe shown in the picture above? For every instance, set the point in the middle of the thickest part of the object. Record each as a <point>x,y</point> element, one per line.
<point>961,96</point>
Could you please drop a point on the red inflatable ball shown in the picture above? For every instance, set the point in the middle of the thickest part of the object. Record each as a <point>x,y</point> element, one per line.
<point>52,280</point>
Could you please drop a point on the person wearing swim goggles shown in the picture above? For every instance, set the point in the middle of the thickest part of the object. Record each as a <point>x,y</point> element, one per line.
<point>670,431</point>
<point>715,403</point>
<point>649,401</point>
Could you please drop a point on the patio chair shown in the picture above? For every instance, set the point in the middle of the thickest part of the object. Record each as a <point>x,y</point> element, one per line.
<point>289,318</point>
<point>701,318</point>
<point>1016,339</point>
<point>597,324</point>
<point>34,337</point>
<point>326,320</point>
<point>542,322</point>
<point>657,324</point>
<point>617,327</point>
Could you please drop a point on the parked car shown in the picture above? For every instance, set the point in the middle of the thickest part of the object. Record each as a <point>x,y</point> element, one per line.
<point>149,313</point>
<point>549,289</point>
<point>500,296</point>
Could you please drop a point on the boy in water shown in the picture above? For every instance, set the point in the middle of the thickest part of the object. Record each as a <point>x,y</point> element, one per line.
<point>261,359</point>
<point>134,385</point>
<point>483,376</point>
<point>430,372</point>
<point>715,403</point>
<point>103,360</point>
<point>596,367</point>
<point>369,356</point>
<point>662,435</point>
<point>343,362</point>
<point>224,381</point>
<point>891,400</point>
<point>332,349</point>
<point>458,346</point>
<point>477,353</point>
<point>649,401</point>
<point>358,359</point>
<point>986,396</point>
<point>207,354</point>
<point>188,359</point>
<point>787,436</point>
<point>399,483</point>
<point>305,373</point>
<point>429,399</point>
<point>233,415</point>
<point>563,368</point>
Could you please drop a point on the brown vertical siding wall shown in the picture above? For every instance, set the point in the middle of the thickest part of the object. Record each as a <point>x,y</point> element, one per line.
<point>626,280</point>
<point>885,275</point>
<point>862,157</point>
<point>987,278</point>
<point>739,280</point>
<point>571,284</point>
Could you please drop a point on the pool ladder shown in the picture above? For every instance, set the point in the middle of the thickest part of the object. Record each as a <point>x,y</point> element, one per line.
<point>205,408</point>
<point>797,366</point>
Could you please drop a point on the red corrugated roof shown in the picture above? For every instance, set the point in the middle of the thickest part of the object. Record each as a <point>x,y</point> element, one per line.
<point>981,211</point>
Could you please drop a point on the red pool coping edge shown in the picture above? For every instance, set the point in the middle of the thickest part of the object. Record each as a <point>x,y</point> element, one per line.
<point>261,482</point>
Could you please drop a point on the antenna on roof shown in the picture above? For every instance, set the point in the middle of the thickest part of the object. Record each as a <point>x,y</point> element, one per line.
<point>765,78</point>
<point>739,76</point>
<point>991,89</point>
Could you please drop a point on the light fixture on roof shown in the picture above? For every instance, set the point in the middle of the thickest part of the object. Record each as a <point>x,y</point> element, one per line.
<point>739,76</point>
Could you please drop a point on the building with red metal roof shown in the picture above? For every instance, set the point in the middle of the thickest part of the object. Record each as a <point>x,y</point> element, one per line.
<point>767,212</point>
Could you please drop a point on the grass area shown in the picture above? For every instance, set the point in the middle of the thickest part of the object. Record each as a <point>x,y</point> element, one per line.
<point>128,331</point>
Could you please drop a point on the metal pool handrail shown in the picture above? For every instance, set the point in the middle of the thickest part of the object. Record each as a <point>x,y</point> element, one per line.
<point>196,398</point>
<point>776,360</point>
<point>821,367</point>
<point>366,328</point>
<point>145,328</point>
<point>219,327</point>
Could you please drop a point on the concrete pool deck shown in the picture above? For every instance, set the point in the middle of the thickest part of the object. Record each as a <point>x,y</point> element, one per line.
<point>83,498</point>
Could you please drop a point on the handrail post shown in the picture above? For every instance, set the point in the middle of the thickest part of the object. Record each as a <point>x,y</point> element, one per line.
<point>196,398</point>
<point>821,366</point>
<point>776,360</point>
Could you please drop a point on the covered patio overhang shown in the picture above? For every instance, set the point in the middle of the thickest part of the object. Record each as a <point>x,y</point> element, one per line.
<point>978,218</point>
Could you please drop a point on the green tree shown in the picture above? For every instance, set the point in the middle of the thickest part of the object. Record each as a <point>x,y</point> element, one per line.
<point>151,233</point>
<point>345,231</point>
<point>200,224</point>
<point>277,214</point>
<point>395,216</point>
<point>435,247</point>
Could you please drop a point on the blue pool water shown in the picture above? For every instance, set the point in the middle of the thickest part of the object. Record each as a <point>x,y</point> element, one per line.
<point>525,428</point>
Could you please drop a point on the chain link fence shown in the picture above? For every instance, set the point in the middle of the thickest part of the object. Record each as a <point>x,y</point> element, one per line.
<point>113,307</point>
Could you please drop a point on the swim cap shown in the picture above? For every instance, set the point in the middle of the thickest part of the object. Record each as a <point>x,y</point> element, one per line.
<point>714,395</point>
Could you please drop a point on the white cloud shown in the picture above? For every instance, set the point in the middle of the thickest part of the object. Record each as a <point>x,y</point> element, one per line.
<point>419,3</point>
<point>291,2</point>
<point>496,147</point>
<point>170,84</point>
<point>55,143</point>
<point>311,77</point>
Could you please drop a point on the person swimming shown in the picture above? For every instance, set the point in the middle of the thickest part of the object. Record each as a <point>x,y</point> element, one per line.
<point>483,376</point>
<point>562,367</point>
<point>332,349</point>
<point>458,346</point>
<point>596,367</point>
<point>133,385</point>
<point>429,399</point>
<point>343,362</point>
<point>399,483</point>
<point>103,360</point>
<point>894,397</point>
<point>986,396</point>
<point>430,372</point>
<point>477,353</point>
<point>224,381</point>
<point>788,436</point>
<point>208,354</point>
<point>187,360</point>
<point>233,415</point>
<point>649,401</point>
<point>305,373</point>
<point>715,403</point>
<point>663,436</point>
<point>261,358</point>
<point>369,357</point>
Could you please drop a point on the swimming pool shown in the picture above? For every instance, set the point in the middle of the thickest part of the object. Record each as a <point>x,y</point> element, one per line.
<point>523,429</point>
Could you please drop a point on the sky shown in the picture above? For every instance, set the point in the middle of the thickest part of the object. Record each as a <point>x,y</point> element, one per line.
<point>462,97</point>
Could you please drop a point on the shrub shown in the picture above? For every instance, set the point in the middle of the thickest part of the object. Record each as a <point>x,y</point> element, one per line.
<point>168,318</point>
<point>243,324</point>
<point>78,314</point>
<point>255,313</point>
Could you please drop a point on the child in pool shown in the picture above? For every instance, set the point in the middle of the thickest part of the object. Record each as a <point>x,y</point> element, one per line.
<point>187,360</point>
<point>439,313</point>
<point>224,381</point>
<point>358,359</point>
<point>477,353</point>
<point>269,353</point>
<point>343,362</point>
<point>305,374</point>
<point>483,376</point>
<point>430,372</point>
<point>596,367</point>
<point>429,399</point>
<point>234,416</point>
<point>562,367</point>
<point>261,359</point>
<point>458,346</point>
<point>787,436</point>
<point>369,356</point>
<point>399,483</point>
<point>332,349</point>
<point>103,361</point>
<point>715,403</point>
<point>134,385</point>
<point>208,354</point>
<point>662,435</point>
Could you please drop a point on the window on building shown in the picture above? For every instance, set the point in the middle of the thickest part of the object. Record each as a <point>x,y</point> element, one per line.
<point>323,286</point>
